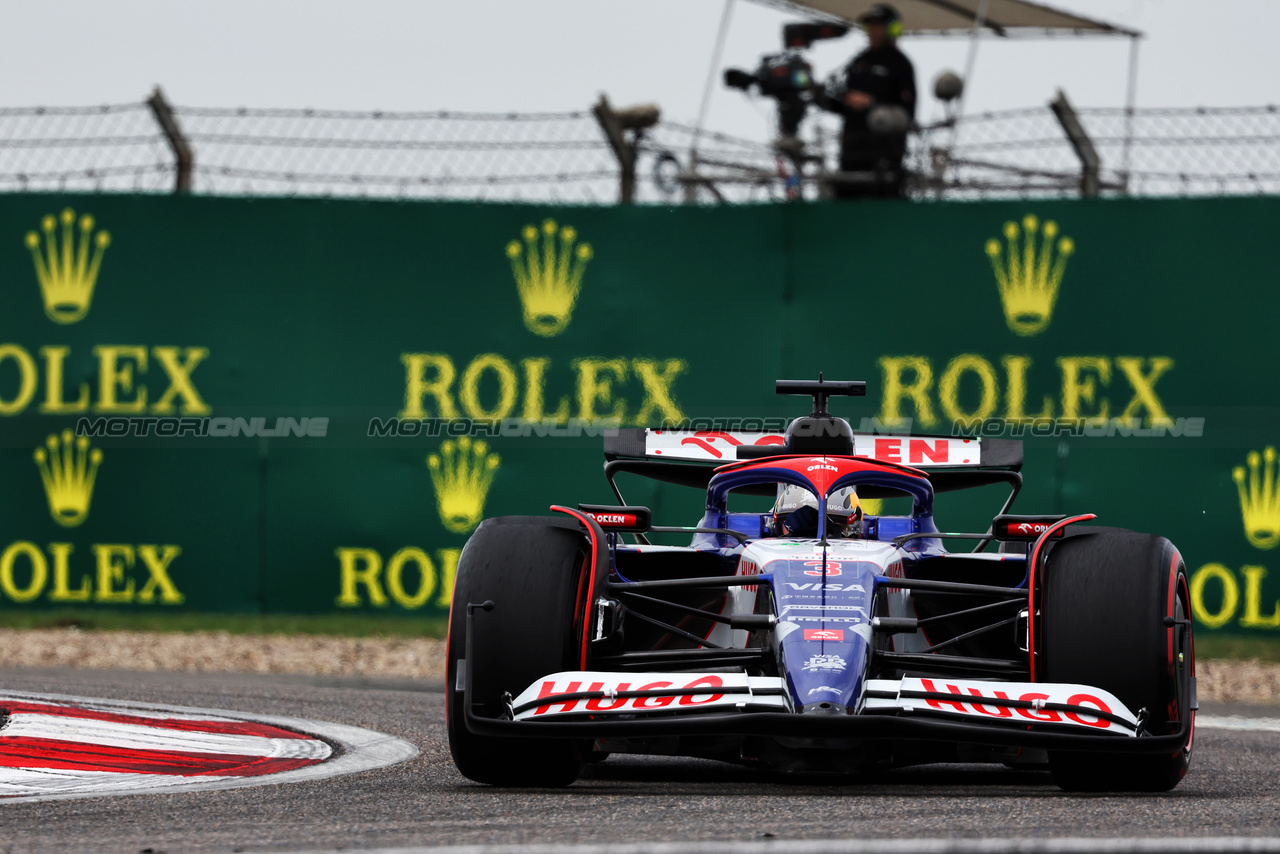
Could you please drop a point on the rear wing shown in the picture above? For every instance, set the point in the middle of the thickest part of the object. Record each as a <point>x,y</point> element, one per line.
<point>721,447</point>
<point>690,457</point>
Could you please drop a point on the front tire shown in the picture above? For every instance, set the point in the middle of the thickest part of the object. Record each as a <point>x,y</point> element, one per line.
<point>531,568</point>
<point>1105,593</point>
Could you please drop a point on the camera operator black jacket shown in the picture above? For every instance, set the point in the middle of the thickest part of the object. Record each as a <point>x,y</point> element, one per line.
<point>889,78</point>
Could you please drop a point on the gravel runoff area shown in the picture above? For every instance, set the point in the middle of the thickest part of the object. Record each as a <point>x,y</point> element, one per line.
<point>1219,680</point>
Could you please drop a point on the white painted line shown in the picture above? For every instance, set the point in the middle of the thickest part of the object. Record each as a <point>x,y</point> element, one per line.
<point>1202,845</point>
<point>1238,722</point>
<point>358,750</point>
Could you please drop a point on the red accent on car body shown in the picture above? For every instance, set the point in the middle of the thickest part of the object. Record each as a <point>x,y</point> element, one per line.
<point>592,527</point>
<point>1029,530</point>
<point>1031,584</point>
<point>615,520</point>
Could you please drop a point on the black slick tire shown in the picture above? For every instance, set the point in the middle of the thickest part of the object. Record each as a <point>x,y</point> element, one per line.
<point>531,568</point>
<point>1105,593</point>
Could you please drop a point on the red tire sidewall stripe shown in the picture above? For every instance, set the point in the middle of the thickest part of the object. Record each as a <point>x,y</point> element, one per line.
<point>1031,585</point>
<point>450,679</point>
<point>1172,612</point>
<point>589,524</point>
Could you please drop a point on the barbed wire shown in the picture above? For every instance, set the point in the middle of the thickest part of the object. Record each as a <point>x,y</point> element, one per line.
<point>564,157</point>
<point>115,147</point>
<point>1151,152</point>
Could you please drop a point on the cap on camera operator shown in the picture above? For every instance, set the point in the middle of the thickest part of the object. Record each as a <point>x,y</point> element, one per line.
<point>874,140</point>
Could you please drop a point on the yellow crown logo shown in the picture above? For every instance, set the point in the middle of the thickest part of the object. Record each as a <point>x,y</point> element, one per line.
<point>548,277</point>
<point>1029,279</point>
<point>68,469</point>
<point>462,474</point>
<point>66,271</point>
<point>1260,498</point>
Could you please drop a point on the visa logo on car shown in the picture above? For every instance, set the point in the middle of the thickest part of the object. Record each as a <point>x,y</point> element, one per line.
<point>831,588</point>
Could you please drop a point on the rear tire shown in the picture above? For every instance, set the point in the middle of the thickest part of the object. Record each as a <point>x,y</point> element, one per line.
<point>531,568</point>
<point>1104,595</point>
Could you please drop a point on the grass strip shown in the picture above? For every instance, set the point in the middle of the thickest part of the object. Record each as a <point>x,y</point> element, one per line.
<point>348,625</point>
<point>1240,647</point>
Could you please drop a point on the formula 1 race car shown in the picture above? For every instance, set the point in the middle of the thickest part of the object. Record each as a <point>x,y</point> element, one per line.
<point>814,636</point>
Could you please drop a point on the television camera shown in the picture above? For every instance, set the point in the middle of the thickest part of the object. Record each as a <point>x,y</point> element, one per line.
<point>787,77</point>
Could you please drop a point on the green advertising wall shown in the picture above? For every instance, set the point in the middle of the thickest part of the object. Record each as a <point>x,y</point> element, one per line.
<point>1129,341</point>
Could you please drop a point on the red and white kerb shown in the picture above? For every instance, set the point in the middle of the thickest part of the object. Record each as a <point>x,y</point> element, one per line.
<point>50,747</point>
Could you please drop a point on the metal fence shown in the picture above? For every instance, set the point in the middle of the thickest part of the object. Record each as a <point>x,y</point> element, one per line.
<point>564,157</point>
<point>1153,152</point>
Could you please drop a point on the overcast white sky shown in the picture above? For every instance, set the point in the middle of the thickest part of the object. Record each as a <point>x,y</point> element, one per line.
<point>499,55</point>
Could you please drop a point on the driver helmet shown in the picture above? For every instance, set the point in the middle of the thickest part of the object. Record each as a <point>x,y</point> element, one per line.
<point>843,511</point>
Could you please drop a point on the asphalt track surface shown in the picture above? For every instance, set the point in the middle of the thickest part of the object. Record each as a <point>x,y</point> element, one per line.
<point>1233,790</point>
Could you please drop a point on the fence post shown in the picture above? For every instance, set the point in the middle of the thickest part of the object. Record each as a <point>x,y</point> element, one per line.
<point>181,149</point>
<point>1090,162</point>
<point>614,124</point>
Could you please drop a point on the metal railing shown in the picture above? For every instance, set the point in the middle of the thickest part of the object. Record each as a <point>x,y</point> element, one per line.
<point>602,155</point>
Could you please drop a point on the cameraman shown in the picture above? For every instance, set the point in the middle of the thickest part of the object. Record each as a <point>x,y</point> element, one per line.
<point>879,77</point>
